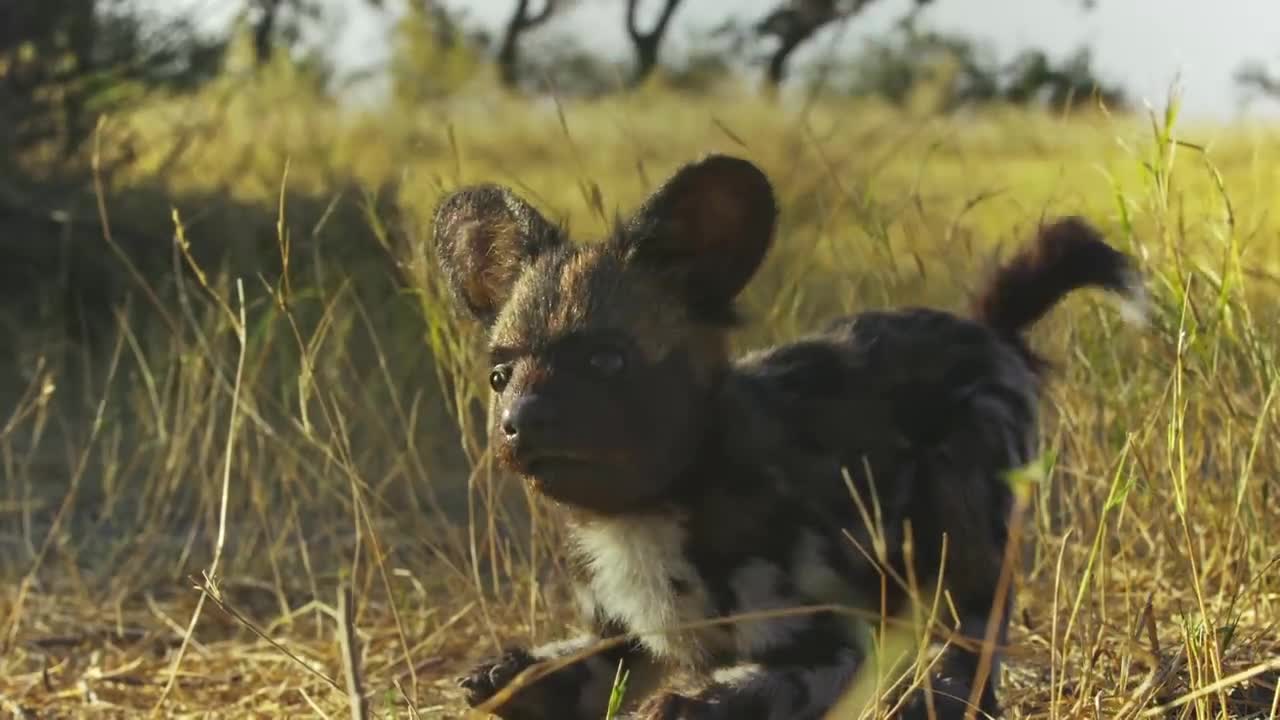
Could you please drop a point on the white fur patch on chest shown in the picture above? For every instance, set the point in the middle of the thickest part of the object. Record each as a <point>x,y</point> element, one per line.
<point>639,576</point>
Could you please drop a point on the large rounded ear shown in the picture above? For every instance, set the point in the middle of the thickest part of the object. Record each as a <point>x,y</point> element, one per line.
<point>707,228</point>
<point>484,238</point>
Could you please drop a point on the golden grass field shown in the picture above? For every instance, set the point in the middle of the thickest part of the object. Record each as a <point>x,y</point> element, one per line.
<point>270,419</point>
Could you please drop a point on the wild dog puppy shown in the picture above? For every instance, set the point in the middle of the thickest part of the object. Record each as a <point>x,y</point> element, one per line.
<point>697,486</point>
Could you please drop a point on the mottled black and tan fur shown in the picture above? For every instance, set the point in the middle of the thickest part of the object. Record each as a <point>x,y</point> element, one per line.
<point>696,485</point>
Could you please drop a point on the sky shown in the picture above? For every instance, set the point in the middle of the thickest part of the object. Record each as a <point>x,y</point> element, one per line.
<point>1143,45</point>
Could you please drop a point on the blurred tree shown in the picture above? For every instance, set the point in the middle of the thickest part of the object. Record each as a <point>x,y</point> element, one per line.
<point>714,57</point>
<point>1069,85</point>
<point>275,20</point>
<point>560,63</point>
<point>522,20</point>
<point>793,23</point>
<point>268,12</point>
<point>796,21</point>
<point>958,72</point>
<point>646,43</point>
<point>61,61</point>
<point>433,53</point>
<point>1255,76</point>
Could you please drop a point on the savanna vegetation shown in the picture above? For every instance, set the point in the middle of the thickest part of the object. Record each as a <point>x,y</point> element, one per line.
<point>243,468</point>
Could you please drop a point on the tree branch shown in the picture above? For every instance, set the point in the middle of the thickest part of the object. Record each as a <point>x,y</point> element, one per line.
<point>1254,75</point>
<point>795,21</point>
<point>647,44</point>
<point>633,26</point>
<point>633,29</point>
<point>548,8</point>
<point>509,50</point>
<point>262,34</point>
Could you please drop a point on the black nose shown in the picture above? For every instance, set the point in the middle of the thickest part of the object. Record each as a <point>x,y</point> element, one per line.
<point>526,418</point>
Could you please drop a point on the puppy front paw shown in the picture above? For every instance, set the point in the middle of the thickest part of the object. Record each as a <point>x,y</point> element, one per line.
<point>674,706</point>
<point>486,679</point>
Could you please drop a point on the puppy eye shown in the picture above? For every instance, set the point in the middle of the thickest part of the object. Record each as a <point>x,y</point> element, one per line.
<point>608,362</point>
<point>499,376</point>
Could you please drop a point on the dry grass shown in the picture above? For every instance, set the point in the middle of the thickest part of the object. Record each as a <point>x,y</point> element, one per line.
<point>183,500</point>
